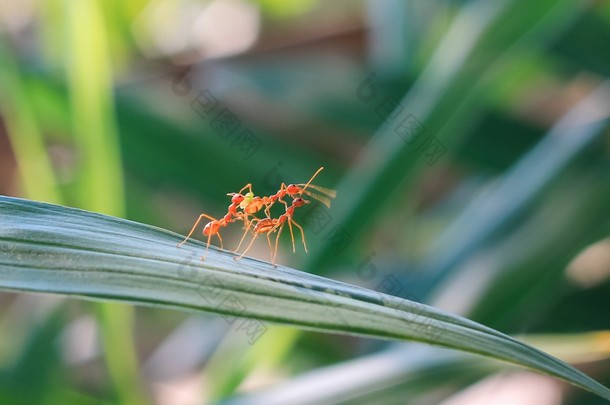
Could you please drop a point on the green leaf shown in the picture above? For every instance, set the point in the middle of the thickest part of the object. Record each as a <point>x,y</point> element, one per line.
<point>59,250</point>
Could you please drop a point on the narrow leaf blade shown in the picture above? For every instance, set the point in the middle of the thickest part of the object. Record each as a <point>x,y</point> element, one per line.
<point>59,250</point>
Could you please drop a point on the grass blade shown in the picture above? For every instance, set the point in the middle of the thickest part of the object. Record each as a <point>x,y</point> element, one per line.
<point>59,250</point>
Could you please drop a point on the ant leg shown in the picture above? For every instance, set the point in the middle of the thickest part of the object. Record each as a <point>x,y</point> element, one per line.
<point>247,186</point>
<point>268,209</point>
<point>241,240</point>
<point>207,246</point>
<point>277,239</point>
<point>270,248</point>
<point>302,234</point>
<point>291,235</point>
<point>220,239</point>
<point>248,248</point>
<point>195,226</point>
<point>247,224</point>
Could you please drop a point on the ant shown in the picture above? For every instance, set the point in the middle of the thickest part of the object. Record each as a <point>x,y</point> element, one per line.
<point>269,225</point>
<point>250,204</point>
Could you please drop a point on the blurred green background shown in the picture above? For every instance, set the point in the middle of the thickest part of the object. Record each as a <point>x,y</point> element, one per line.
<point>468,142</point>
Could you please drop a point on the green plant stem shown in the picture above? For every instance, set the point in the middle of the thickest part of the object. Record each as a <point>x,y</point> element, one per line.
<point>100,186</point>
<point>23,129</point>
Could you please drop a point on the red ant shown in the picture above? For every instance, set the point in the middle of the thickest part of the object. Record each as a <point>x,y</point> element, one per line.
<point>251,204</point>
<point>269,225</point>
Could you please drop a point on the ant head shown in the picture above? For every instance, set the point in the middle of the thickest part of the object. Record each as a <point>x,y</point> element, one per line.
<point>293,189</point>
<point>237,198</point>
<point>299,202</point>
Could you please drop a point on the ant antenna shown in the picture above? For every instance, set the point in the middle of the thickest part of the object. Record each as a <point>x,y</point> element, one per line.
<point>310,180</point>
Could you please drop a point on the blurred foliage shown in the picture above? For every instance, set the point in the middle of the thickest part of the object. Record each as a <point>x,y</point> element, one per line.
<point>97,110</point>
